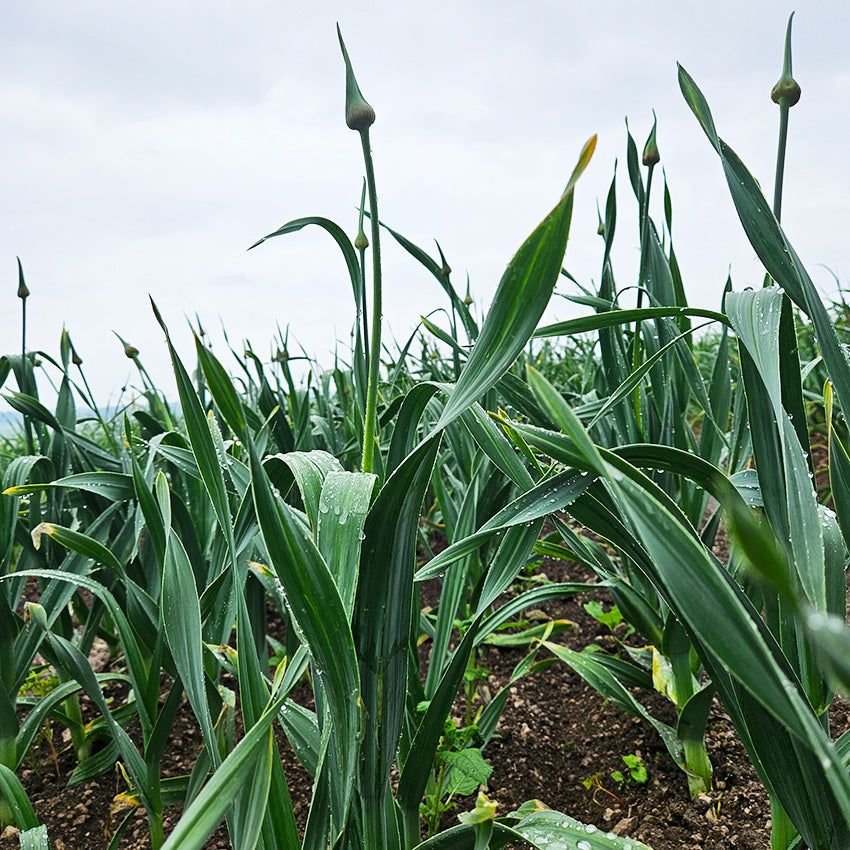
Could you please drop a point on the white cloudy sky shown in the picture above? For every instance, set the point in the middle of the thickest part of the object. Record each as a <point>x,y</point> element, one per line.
<point>145,146</point>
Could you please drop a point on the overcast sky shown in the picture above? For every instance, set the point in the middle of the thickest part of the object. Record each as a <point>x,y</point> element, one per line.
<point>145,146</point>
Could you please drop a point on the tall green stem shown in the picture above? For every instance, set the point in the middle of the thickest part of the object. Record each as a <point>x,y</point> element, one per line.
<point>636,341</point>
<point>23,294</point>
<point>785,94</point>
<point>360,116</point>
<point>370,429</point>
<point>780,159</point>
<point>361,243</point>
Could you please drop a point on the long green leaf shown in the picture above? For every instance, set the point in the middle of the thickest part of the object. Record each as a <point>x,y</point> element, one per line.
<point>201,440</point>
<point>416,769</point>
<point>210,806</point>
<point>339,236</point>
<point>733,632</point>
<point>786,487</point>
<point>437,270</point>
<point>343,506</point>
<point>382,622</point>
<point>181,618</point>
<point>77,542</point>
<point>616,318</point>
<point>521,297</point>
<point>115,486</point>
<point>136,667</point>
<point>550,495</point>
<point>319,613</point>
<point>770,243</point>
<point>13,793</point>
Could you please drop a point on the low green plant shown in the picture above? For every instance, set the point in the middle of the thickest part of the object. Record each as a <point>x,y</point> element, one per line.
<point>459,769</point>
<point>473,677</point>
<point>39,682</point>
<point>635,771</point>
<point>635,775</point>
<point>610,619</point>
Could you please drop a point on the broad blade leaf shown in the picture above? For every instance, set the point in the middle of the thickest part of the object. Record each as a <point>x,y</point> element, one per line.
<point>522,296</point>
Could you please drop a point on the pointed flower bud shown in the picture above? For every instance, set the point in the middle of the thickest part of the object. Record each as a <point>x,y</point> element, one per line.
<point>787,91</point>
<point>361,242</point>
<point>651,156</point>
<point>446,269</point>
<point>358,114</point>
<point>23,292</point>
<point>131,351</point>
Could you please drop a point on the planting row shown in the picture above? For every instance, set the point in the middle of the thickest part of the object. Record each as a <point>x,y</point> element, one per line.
<point>168,529</point>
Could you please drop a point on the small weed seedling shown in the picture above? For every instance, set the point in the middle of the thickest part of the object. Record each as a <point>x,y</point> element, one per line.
<point>595,783</point>
<point>459,768</point>
<point>635,775</point>
<point>610,619</point>
<point>475,689</point>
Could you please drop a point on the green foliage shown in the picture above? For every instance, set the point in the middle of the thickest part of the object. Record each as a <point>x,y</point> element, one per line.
<point>651,425</point>
<point>635,773</point>
<point>459,769</point>
<point>610,619</point>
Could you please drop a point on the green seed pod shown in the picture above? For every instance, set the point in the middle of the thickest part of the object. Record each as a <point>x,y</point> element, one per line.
<point>361,241</point>
<point>131,352</point>
<point>358,114</point>
<point>23,291</point>
<point>787,91</point>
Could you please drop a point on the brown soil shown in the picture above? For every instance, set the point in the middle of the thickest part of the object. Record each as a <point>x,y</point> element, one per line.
<point>556,734</point>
